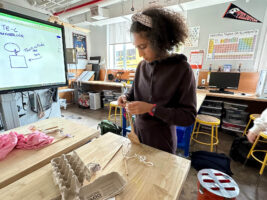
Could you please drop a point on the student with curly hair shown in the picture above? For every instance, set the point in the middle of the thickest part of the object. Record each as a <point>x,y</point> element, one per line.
<point>163,94</point>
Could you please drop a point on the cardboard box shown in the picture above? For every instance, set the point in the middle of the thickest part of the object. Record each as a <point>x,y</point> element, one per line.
<point>89,67</point>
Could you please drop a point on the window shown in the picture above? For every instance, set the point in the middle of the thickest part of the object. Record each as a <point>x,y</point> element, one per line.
<point>123,56</point>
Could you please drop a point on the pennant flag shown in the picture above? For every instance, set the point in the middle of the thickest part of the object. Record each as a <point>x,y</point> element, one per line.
<point>234,12</point>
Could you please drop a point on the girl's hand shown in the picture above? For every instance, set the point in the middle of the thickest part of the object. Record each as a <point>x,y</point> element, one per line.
<point>122,101</point>
<point>138,107</point>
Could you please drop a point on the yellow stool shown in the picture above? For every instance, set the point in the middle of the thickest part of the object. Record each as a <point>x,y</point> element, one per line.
<point>209,121</point>
<point>264,162</point>
<point>114,104</point>
<point>251,117</point>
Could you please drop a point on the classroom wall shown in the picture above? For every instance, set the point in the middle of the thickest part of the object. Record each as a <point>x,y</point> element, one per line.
<point>98,38</point>
<point>210,21</point>
<point>69,44</point>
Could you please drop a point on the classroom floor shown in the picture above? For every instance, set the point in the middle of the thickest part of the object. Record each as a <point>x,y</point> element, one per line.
<point>245,177</point>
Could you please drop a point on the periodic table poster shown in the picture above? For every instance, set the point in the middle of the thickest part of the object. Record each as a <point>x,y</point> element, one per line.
<point>238,45</point>
<point>193,36</point>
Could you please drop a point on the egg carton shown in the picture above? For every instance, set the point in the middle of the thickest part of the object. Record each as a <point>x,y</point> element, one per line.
<point>69,173</point>
<point>103,188</point>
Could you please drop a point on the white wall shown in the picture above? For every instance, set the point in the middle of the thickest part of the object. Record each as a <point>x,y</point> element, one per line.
<point>69,44</point>
<point>98,36</point>
<point>210,21</point>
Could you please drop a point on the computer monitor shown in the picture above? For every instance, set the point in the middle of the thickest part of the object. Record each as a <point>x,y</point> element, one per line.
<point>224,80</point>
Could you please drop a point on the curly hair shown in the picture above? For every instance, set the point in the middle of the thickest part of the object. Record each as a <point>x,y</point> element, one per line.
<point>168,28</point>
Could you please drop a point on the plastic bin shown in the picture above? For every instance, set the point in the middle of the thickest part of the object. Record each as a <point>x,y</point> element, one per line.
<point>212,103</point>
<point>234,116</point>
<point>233,106</point>
<point>94,100</point>
<point>183,138</point>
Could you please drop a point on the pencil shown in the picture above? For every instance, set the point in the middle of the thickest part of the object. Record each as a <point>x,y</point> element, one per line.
<point>125,165</point>
<point>112,157</point>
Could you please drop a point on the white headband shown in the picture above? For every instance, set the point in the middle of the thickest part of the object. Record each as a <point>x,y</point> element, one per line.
<point>143,19</point>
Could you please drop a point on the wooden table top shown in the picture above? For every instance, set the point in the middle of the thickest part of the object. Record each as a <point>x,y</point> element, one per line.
<point>164,180</point>
<point>200,98</point>
<point>236,95</point>
<point>106,83</point>
<point>19,163</point>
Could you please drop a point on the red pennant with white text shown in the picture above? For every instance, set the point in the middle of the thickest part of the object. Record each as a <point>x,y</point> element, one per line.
<point>234,12</point>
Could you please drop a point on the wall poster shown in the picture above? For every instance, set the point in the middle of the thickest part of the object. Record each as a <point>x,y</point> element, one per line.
<point>79,43</point>
<point>238,45</point>
<point>193,36</point>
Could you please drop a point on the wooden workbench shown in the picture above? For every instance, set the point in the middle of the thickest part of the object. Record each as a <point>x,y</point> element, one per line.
<point>106,83</point>
<point>19,163</point>
<point>200,98</point>
<point>162,181</point>
<point>236,95</point>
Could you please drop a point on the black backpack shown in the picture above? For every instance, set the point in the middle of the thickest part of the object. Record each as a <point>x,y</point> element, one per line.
<point>108,126</point>
<point>204,159</point>
<point>240,149</point>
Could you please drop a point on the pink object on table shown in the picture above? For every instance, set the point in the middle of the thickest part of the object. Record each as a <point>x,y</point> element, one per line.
<point>35,140</point>
<point>7,143</point>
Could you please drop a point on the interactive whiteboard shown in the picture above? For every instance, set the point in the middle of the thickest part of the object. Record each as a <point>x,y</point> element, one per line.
<point>32,53</point>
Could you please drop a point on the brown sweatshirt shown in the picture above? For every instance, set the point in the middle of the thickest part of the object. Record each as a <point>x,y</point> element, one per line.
<point>170,84</point>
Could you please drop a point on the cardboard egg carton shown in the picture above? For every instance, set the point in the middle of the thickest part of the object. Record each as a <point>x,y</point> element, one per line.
<point>69,173</point>
<point>103,188</point>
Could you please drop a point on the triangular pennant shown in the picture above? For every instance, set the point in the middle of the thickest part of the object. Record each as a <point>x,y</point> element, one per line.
<point>234,12</point>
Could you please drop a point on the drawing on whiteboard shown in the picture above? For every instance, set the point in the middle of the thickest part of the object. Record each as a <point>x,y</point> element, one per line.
<point>16,61</point>
<point>34,49</point>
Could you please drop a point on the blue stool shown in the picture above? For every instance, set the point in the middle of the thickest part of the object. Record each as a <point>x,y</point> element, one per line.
<point>183,138</point>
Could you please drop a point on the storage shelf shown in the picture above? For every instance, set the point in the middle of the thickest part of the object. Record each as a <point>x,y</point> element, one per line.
<point>243,125</point>
<point>213,114</point>
<point>232,129</point>
<point>211,107</point>
<point>213,101</point>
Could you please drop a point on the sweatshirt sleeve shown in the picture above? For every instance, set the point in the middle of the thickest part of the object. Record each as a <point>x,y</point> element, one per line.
<point>185,111</point>
<point>130,95</point>
<point>260,124</point>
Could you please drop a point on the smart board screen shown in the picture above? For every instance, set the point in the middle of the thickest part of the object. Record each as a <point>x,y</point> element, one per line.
<point>32,53</point>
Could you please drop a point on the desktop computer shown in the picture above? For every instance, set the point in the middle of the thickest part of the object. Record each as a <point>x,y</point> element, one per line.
<point>223,80</point>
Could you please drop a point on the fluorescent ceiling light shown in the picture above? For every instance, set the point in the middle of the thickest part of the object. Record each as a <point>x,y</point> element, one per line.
<point>202,3</point>
<point>109,21</point>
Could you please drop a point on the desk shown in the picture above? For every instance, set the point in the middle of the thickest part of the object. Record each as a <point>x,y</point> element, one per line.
<point>200,98</point>
<point>162,181</point>
<point>101,85</point>
<point>19,163</point>
<point>106,83</point>
<point>251,97</point>
<point>254,103</point>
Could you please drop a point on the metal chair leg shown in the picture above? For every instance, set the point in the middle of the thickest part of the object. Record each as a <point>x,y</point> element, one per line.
<point>245,131</point>
<point>198,127</point>
<point>116,114</point>
<point>193,132</point>
<point>110,107</point>
<point>263,164</point>
<point>250,151</point>
<point>211,142</point>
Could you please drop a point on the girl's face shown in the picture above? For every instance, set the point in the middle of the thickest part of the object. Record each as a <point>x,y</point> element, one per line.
<point>144,47</point>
